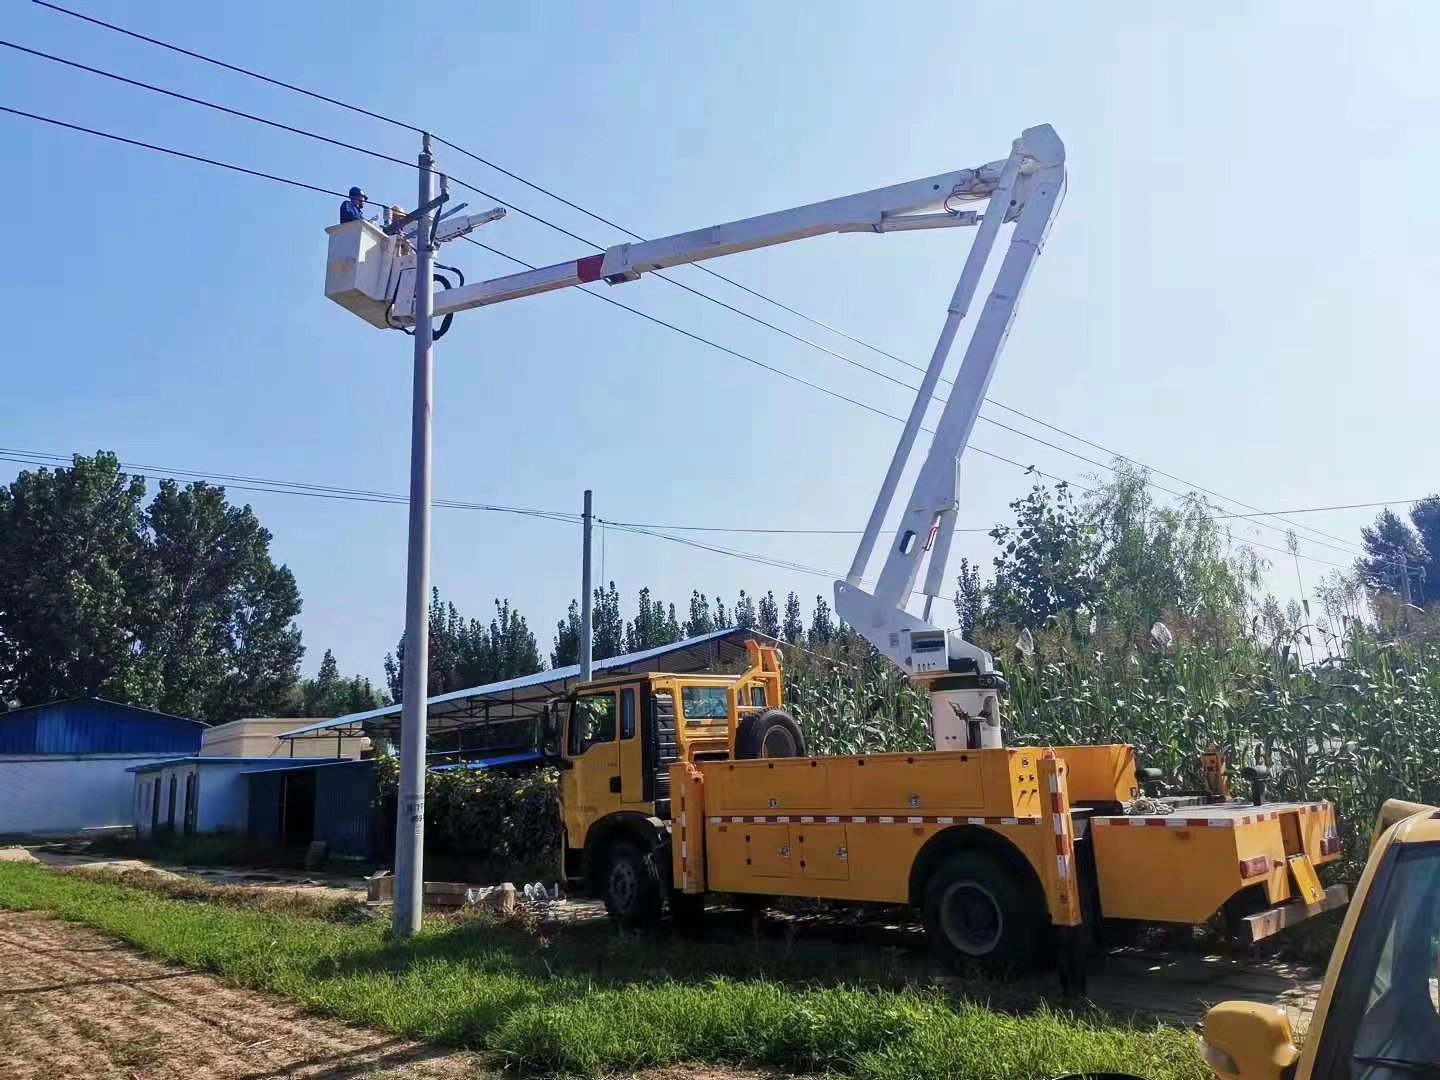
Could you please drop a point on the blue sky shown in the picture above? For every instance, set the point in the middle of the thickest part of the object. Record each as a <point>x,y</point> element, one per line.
<point>1239,289</point>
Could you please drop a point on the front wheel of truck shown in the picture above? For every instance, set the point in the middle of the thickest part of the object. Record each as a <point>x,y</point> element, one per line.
<point>632,896</point>
<point>976,912</point>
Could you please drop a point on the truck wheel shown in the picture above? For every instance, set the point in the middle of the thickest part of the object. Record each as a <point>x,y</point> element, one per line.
<point>632,897</point>
<point>769,734</point>
<point>976,911</point>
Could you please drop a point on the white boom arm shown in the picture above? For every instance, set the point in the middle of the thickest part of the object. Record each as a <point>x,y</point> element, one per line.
<point>964,688</point>
<point>372,275</point>
<point>891,209</point>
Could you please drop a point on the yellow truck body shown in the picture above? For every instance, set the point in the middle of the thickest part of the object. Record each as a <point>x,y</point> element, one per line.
<point>995,846</point>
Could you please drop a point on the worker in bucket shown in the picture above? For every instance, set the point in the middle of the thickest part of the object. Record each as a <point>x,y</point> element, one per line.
<point>353,208</point>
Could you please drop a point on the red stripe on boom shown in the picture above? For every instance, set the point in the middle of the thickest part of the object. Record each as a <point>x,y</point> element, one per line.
<point>588,268</point>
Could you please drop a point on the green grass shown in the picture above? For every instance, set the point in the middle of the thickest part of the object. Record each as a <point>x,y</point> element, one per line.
<point>590,1001</point>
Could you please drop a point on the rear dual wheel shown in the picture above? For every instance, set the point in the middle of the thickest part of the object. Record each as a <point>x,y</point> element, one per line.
<point>977,911</point>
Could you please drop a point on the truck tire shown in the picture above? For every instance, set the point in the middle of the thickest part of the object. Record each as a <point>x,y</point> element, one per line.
<point>769,734</point>
<point>977,911</point>
<point>632,897</point>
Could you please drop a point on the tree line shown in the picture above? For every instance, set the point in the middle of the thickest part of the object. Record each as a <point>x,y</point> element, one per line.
<point>173,601</point>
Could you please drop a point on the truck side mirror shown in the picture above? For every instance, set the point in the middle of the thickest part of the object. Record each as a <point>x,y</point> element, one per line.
<point>1245,1040</point>
<point>550,731</point>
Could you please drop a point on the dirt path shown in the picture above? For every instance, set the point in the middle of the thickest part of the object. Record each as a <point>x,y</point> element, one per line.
<point>76,1004</point>
<point>1179,987</point>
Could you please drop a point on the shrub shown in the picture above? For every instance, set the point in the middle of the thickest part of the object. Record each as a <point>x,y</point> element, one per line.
<point>493,823</point>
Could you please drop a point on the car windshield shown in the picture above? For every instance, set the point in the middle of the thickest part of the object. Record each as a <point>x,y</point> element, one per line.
<point>1384,1020</point>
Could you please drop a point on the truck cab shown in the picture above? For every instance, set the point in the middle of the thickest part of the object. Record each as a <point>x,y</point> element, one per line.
<point>616,739</point>
<point>1378,1015</point>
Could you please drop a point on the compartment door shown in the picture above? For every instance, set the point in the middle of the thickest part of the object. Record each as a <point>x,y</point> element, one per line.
<point>767,850</point>
<point>822,852</point>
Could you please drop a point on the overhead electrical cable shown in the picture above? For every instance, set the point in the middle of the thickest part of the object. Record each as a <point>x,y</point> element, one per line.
<point>636,311</point>
<point>662,531</point>
<point>489,163</point>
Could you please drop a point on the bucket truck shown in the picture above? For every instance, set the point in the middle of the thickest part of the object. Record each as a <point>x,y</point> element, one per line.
<point>674,787</point>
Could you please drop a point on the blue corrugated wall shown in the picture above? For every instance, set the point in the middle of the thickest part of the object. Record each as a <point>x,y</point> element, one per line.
<point>265,805</point>
<point>93,726</point>
<point>343,816</point>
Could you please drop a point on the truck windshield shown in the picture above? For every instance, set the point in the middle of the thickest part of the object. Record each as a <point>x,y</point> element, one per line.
<point>704,702</point>
<point>1384,1019</point>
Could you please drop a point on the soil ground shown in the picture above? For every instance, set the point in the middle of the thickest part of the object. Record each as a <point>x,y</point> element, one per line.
<point>76,1004</point>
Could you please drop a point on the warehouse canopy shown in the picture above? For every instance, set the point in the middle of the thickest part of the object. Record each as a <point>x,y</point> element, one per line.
<point>502,714</point>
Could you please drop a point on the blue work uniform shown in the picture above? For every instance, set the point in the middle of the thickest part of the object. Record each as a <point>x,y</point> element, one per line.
<point>350,212</point>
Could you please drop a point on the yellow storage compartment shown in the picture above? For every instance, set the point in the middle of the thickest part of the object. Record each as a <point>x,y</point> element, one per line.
<point>917,782</point>
<point>822,852</point>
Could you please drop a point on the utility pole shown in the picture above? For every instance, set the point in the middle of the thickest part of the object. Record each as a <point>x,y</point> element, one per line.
<point>587,614</point>
<point>410,815</point>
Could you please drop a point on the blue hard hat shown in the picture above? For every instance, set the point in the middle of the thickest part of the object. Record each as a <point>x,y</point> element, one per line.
<point>356,193</point>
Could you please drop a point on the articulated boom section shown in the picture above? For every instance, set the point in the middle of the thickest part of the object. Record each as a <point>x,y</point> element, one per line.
<point>372,274</point>
<point>965,707</point>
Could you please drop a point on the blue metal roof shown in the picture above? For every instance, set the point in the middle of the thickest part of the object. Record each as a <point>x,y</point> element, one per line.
<point>531,689</point>
<point>96,726</point>
<point>266,763</point>
<point>290,764</point>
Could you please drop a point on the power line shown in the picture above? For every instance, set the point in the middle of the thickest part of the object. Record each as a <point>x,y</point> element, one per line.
<point>661,322</point>
<point>400,161</point>
<point>266,485</point>
<point>715,274</point>
<point>260,483</point>
<point>221,63</point>
<point>634,311</point>
<point>771,368</point>
<point>167,150</point>
<point>869,408</point>
<point>241,485</point>
<point>252,117</point>
<point>1343,506</point>
<point>749,556</point>
<point>286,487</point>
<point>1257,512</point>
<point>856,532</point>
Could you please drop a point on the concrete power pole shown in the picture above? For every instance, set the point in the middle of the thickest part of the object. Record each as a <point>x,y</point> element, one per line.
<point>410,813</point>
<point>587,614</point>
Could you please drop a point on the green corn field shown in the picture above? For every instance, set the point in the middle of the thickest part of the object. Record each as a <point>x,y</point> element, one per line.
<point>1357,728</point>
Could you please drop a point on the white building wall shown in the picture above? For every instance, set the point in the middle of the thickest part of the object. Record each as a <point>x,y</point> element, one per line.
<point>58,794</point>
